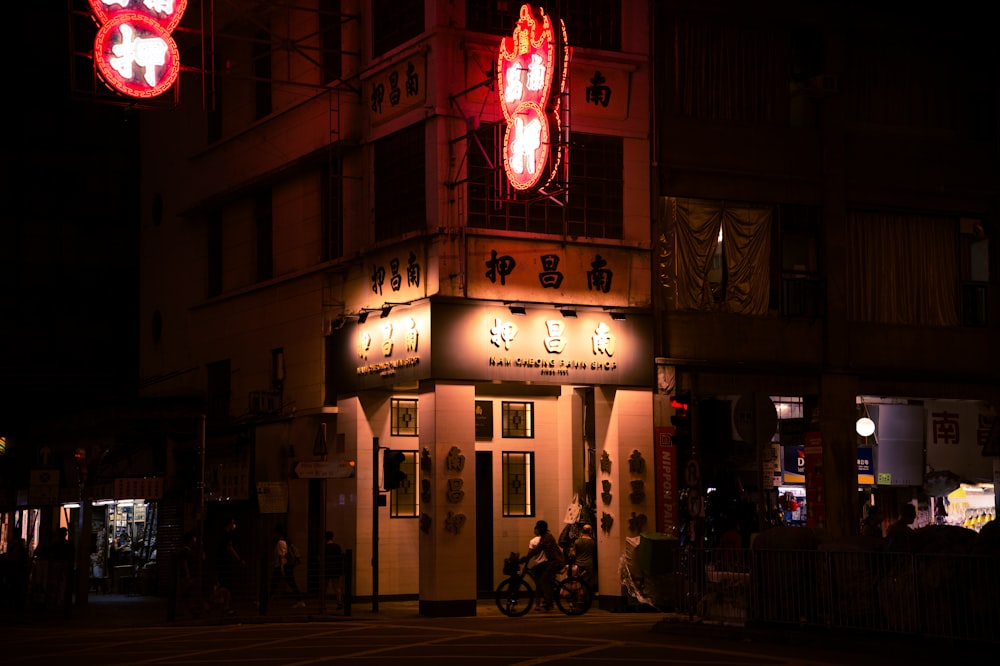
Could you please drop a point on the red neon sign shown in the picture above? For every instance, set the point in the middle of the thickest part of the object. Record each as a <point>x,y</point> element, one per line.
<point>533,61</point>
<point>133,50</point>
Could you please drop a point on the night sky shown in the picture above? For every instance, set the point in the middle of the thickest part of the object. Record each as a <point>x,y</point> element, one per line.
<point>68,236</point>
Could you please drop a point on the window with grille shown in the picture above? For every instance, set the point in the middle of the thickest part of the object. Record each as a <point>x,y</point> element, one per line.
<point>595,189</point>
<point>592,24</point>
<point>404,417</point>
<point>400,195</point>
<point>214,231</point>
<point>518,419</point>
<point>330,39</point>
<point>261,56</point>
<point>799,229</point>
<point>518,483</point>
<point>332,208</point>
<point>264,221</point>
<point>403,501</point>
<point>394,22</point>
<point>974,245</point>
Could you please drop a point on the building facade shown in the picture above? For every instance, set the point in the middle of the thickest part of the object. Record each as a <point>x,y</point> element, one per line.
<point>826,235</point>
<point>335,257</point>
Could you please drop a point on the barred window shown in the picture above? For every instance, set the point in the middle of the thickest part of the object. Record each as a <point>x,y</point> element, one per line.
<point>404,417</point>
<point>518,419</point>
<point>593,24</point>
<point>595,189</point>
<point>403,501</point>
<point>400,194</point>
<point>395,22</point>
<point>518,483</point>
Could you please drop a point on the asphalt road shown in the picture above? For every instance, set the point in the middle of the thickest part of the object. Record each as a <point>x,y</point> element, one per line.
<point>137,635</point>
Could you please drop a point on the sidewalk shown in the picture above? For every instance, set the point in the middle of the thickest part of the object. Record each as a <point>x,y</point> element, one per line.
<point>118,610</point>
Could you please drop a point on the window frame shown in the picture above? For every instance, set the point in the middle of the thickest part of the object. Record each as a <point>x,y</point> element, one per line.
<point>527,507</point>
<point>404,502</point>
<point>505,414</point>
<point>589,202</point>
<point>395,405</point>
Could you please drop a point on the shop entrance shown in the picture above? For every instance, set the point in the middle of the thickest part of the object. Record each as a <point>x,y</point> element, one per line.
<point>484,524</point>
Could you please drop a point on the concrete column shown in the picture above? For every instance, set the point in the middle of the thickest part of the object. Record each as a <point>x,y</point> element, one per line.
<point>838,413</point>
<point>626,481</point>
<point>447,489</point>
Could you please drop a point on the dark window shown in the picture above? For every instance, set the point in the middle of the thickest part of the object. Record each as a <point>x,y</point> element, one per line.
<point>218,391</point>
<point>263,219</point>
<point>593,24</point>
<point>214,233</point>
<point>595,189</point>
<point>400,193</point>
<point>394,22</point>
<point>799,279</point>
<point>261,54</point>
<point>332,210</point>
<point>974,249</point>
<point>330,39</point>
<point>214,104</point>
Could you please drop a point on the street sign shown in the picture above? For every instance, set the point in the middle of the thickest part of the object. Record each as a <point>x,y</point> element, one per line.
<point>322,469</point>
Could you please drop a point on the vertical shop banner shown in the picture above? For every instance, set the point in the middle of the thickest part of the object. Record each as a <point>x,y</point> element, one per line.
<point>666,481</point>
<point>815,494</point>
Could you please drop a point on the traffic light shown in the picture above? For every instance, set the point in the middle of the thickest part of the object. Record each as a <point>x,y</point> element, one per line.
<point>392,475</point>
<point>80,458</point>
<point>681,419</point>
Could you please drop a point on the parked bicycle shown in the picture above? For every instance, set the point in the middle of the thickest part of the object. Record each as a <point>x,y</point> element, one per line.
<point>515,595</point>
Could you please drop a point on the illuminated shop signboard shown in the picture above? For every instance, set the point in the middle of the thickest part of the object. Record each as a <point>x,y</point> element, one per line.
<point>134,50</point>
<point>490,343</point>
<point>531,76</point>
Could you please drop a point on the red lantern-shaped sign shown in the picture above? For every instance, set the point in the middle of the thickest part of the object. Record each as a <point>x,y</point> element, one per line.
<point>531,76</point>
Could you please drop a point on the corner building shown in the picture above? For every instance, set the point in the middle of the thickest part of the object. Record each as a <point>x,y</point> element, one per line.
<point>335,261</point>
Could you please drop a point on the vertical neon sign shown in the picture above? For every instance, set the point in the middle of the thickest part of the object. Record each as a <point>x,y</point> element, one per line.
<point>531,77</point>
<point>134,50</point>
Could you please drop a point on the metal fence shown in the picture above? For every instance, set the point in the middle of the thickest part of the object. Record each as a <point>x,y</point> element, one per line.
<point>943,596</point>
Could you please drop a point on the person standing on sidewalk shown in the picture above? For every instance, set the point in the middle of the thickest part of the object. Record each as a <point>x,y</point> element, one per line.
<point>334,569</point>
<point>227,563</point>
<point>284,567</point>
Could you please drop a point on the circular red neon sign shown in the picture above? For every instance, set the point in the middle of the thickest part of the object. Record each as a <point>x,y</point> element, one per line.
<point>136,55</point>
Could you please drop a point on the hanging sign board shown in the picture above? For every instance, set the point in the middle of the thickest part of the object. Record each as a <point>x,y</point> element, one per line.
<point>531,77</point>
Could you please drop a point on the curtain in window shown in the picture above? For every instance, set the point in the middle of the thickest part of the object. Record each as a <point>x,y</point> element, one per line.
<point>746,233</point>
<point>903,269</point>
<point>729,72</point>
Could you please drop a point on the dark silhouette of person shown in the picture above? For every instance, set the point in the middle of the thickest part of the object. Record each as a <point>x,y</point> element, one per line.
<point>554,562</point>
<point>283,572</point>
<point>334,568</point>
<point>228,562</point>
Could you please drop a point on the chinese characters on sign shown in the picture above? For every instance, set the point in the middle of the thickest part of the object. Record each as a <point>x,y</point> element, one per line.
<point>134,50</point>
<point>378,275</point>
<point>397,89</point>
<point>531,76</point>
<point>500,267</point>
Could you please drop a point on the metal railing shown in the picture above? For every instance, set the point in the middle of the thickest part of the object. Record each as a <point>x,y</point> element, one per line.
<point>947,596</point>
